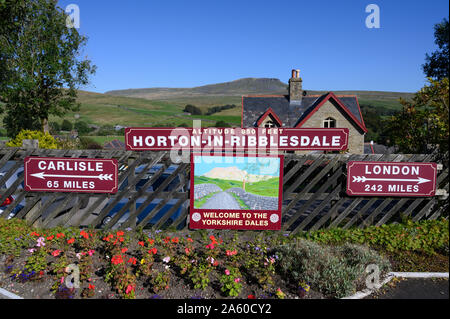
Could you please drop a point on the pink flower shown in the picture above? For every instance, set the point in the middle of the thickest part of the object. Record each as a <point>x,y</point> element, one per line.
<point>32,250</point>
<point>166,259</point>
<point>40,242</point>
<point>130,288</point>
<point>237,280</point>
<point>227,272</point>
<point>91,252</point>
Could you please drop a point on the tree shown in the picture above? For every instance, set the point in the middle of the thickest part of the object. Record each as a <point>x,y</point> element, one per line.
<point>423,124</point>
<point>437,65</point>
<point>39,63</point>
<point>189,108</point>
<point>82,127</point>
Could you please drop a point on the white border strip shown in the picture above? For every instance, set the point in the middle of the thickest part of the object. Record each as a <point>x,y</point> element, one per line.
<point>420,274</point>
<point>366,292</point>
<point>8,294</point>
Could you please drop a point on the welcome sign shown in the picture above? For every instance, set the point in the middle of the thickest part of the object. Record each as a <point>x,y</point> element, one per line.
<point>236,192</point>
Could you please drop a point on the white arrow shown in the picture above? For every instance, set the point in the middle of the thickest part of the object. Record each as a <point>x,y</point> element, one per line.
<point>419,180</point>
<point>102,177</point>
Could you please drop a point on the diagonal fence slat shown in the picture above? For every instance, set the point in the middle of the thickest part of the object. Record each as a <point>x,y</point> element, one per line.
<point>314,194</point>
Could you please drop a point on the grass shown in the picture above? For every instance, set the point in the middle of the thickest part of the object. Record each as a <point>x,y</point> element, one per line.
<point>240,201</point>
<point>198,203</point>
<point>223,184</point>
<point>103,139</point>
<point>263,188</point>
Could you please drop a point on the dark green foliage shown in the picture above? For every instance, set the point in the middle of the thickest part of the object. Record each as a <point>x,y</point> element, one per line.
<point>216,109</point>
<point>437,64</point>
<point>221,124</point>
<point>82,127</point>
<point>87,143</point>
<point>427,235</point>
<point>106,130</point>
<point>334,271</point>
<point>54,127</point>
<point>192,109</point>
<point>66,125</point>
<point>40,67</point>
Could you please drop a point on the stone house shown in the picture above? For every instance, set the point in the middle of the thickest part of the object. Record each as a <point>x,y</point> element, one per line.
<point>300,110</point>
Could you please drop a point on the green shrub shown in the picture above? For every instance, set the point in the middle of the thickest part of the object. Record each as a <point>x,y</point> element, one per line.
<point>66,125</point>
<point>45,139</point>
<point>221,124</point>
<point>334,271</point>
<point>82,127</point>
<point>54,127</point>
<point>426,235</point>
<point>106,130</point>
<point>87,143</point>
<point>192,109</point>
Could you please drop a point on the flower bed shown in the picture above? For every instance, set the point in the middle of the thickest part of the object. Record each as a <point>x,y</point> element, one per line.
<point>40,263</point>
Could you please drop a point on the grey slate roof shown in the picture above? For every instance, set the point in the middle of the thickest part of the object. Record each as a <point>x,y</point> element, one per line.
<point>290,114</point>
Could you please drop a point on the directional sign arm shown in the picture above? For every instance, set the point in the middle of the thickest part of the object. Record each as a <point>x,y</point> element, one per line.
<point>102,177</point>
<point>363,179</point>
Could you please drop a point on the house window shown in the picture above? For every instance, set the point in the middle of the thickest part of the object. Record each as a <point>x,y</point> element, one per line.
<point>329,123</point>
<point>270,124</point>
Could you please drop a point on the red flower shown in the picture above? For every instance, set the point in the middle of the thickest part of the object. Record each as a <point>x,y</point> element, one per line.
<point>59,235</point>
<point>175,240</point>
<point>34,234</point>
<point>231,252</point>
<point>50,237</point>
<point>187,251</point>
<point>151,241</point>
<point>84,234</point>
<point>117,259</point>
<point>141,243</point>
<point>132,260</point>
<point>56,253</point>
<point>91,286</point>
<point>120,233</point>
<point>71,241</point>
<point>251,297</point>
<point>189,239</point>
<point>153,251</point>
<point>124,250</point>
<point>213,239</point>
<point>167,239</point>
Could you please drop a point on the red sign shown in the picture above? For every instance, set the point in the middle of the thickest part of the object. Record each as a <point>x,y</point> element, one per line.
<point>164,139</point>
<point>80,175</point>
<point>236,192</point>
<point>391,179</point>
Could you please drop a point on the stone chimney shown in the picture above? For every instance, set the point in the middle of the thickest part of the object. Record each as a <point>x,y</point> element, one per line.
<point>295,87</point>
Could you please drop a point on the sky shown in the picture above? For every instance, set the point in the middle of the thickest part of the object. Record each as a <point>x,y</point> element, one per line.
<point>252,165</point>
<point>180,43</point>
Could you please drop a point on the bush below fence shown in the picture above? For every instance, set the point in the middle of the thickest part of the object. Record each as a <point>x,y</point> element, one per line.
<point>313,193</point>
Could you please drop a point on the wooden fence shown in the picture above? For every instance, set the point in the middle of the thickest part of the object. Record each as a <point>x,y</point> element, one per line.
<point>313,193</point>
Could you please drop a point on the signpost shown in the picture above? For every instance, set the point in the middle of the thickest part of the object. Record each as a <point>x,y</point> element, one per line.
<point>79,175</point>
<point>391,179</point>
